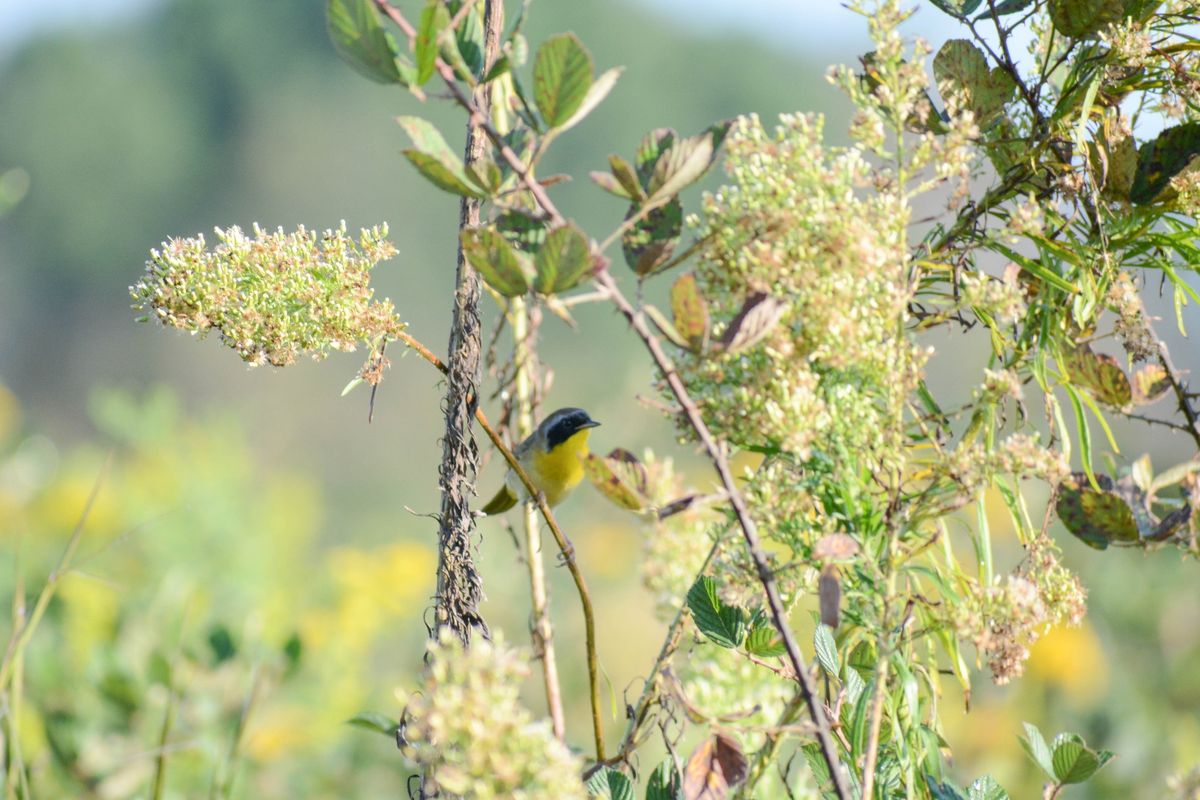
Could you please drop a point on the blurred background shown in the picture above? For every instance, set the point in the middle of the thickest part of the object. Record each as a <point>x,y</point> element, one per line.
<point>251,548</point>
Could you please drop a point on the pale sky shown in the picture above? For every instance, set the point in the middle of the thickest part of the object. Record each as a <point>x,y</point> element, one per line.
<point>820,26</point>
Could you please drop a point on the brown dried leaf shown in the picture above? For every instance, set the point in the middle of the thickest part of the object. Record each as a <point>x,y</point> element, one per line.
<point>620,477</point>
<point>716,765</point>
<point>690,311</point>
<point>759,314</point>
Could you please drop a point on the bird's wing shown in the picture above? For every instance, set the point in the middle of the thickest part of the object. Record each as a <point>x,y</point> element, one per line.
<point>503,501</point>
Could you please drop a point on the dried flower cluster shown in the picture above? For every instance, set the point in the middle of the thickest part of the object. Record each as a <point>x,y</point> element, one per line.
<point>273,296</point>
<point>470,734</point>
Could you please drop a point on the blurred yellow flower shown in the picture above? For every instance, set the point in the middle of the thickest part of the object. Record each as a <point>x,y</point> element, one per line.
<point>90,615</point>
<point>1072,660</point>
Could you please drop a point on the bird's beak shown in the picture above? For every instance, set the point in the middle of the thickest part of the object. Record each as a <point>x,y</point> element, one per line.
<point>591,423</point>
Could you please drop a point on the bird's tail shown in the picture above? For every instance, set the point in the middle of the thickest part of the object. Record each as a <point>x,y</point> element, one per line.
<point>503,501</point>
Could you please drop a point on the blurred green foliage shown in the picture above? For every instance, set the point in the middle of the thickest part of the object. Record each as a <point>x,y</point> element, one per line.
<point>265,542</point>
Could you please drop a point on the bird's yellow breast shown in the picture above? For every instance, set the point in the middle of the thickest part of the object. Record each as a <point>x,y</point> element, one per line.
<point>560,470</point>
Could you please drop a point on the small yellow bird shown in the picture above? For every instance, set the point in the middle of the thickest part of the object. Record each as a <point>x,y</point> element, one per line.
<point>552,456</point>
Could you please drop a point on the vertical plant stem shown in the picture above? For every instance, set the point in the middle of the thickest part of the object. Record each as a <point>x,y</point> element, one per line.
<point>459,586</point>
<point>543,632</point>
<point>222,786</point>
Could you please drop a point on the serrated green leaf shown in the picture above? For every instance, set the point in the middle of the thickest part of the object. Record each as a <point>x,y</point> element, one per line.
<point>684,163</point>
<point>434,19</point>
<point>360,40</point>
<point>940,790</point>
<point>444,177</point>
<point>525,231</point>
<point>652,146</point>
<point>1036,748</point>
<point>1081,19</point>
<point>1003,8</point>
<point>986,788</point>
<point>855,685</point>
<point>1161,159</point>
<point>562,76</point>
<point>468,41</point>
<point>826,649</point>
<point>434,159</point>
<point>961,68</point>
<point>1073,762</point>
<point>723,624</point>
<point>690,311</point>
<point>958,8</point>
<point>594,97</point>
<point>504,268</point>
<point>763,640</point>
<point>372,721</point>
<point>651,240</point>
<point>1100,374</point>
<point>609,783</point>
<point>1096,515</point>
<point>564,259</point>
<point>664,783</point>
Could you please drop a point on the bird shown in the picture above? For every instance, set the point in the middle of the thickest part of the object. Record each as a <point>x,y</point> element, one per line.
<point>552,456</point>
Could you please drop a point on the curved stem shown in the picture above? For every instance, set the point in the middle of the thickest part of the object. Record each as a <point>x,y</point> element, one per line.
<point>564,546</point>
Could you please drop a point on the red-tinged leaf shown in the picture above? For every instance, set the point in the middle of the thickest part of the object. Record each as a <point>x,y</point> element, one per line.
<point>504,268</point>
<point>1150,384</point>
<point>680,166</point>
<point>690,311</point>
<point>1100,375</point>
<point>609,183</point>
<point>759,315</point>
<point>1098,518</point>
<point>564,259</point>
<point>714,767</point>
<point>625,175</point>
<point>620,477</point>
<point>652,239</point>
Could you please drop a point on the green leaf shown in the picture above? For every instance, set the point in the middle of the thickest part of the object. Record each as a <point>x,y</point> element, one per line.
<point>690,312</point>
<point>293,651</point>
<point>608,782</point>
<point>855,685</point>
<point>1080,19</point>
<point>1000,10</point>
<point>610,184</point>
<point>220,642</point>
<point>434,19</point>
<point>652,146</point>
<point>1073,762</point>
<point>1036,748</point>
<point>562,76</point>
<point>594,97</point>
<point>826,648</point>
<point>1098,516</point>
<point>505,270</point>
<point>664,783</point>
<point>986,788</point>
<point>958,8</point>
<point>961,68</point>
<point>354,383</point>
<point>763,639</point>
<point>372,721</point>
<point>434,159</point>
<point>563,260</point>
<point>649,243</point>
<point>468,41</point>
<point>723,624</point>
<point>360,40</point>
<point>1161,159</point>
<point>627,177</point>
<point>684,163</point>
<point>526,232</point>
<point>1100,374</point>
<point>939,790</point>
